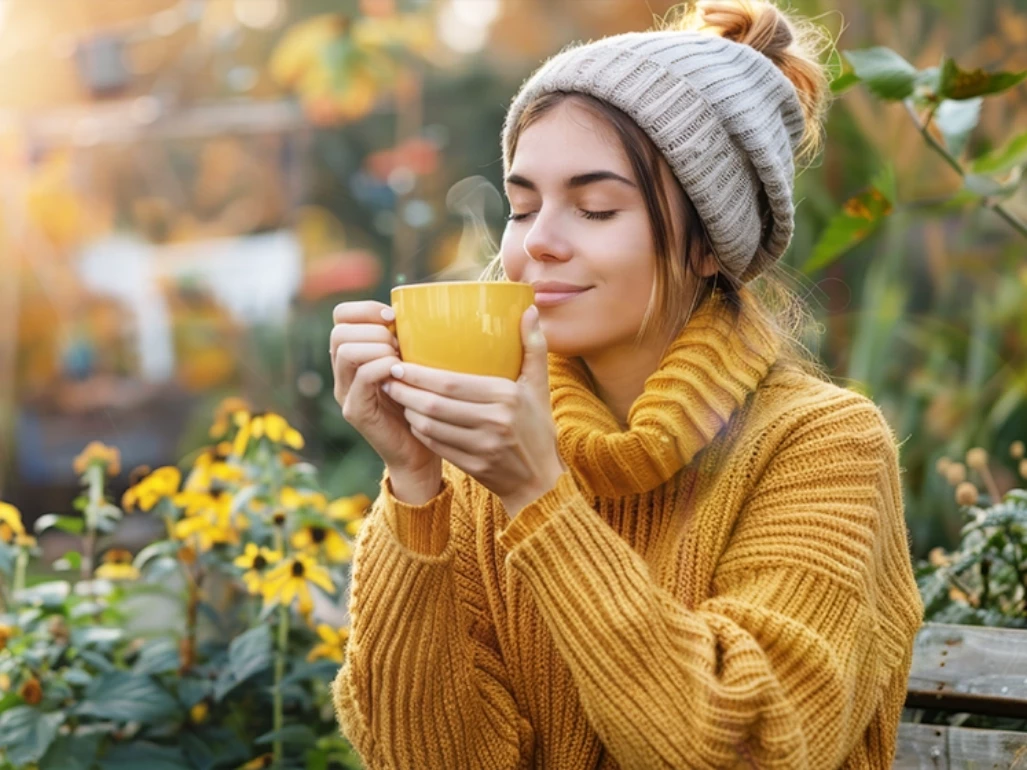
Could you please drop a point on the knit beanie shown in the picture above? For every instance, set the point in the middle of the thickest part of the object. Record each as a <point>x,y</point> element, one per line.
<point>724,116</point>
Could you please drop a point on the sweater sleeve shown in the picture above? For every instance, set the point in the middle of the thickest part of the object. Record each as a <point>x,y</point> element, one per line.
<point>423,684</point>
<point>804,643</point>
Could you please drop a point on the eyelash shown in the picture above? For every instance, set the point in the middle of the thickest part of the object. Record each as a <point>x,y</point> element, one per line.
<point>600,216</point>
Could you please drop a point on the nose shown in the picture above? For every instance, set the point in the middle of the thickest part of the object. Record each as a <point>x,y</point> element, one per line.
<point>543,242</point>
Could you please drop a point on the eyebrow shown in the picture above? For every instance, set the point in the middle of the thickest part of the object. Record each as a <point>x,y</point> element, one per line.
<point>578,180</point>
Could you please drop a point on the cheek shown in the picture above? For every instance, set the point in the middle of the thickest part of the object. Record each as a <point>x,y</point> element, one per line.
<point>514,258</point>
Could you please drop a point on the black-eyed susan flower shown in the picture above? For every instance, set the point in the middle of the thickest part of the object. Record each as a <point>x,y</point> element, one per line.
<point>349,511</point>
<point>332,645</point>
<point>151,488</point>
<point>11,528</point>
<point>255,561</point>
<point>314,538</point>
<point>209,521</point>
<point>275,427</point>
<point>117,565</point>
<point>97,453</point>
<point>295,500</point>
<point>212,470</point>
<point>292,578</point>
<point>224,413</point>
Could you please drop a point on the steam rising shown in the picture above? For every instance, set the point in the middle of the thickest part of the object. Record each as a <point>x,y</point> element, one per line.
<point>475,199</point>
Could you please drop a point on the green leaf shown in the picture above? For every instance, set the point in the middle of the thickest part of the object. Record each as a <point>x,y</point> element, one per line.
<point>191,691</point>
<point>210,747</point>
<point>96,660</point>
<point>158,656</point>
<point>152,551</point>
<point>72,752</point>
<point>857,220</point>
<point>70,524</point>
<point>50,594</point>
<point>123,696</point>
<point>886,74</point>
<point>72,560</point>
<point>248,654</point>
<point>80,503</point>
<point>956,120</point>
<point>967,84</point>
<point>141,754</point>
<point>999,161</point>
<point>99,636</point>
<point>77,676</point>
<point>291,734</point>
<point>26,733</point>
<point>986,187</point>
<point>8,555</point>
<point>844,82</point>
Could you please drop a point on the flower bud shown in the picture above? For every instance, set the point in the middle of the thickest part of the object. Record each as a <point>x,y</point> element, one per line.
<point>1016,450</point>
<point>942,465</point>
<point>977,458</point>
<point>966,494</point>
<point>955,474</point>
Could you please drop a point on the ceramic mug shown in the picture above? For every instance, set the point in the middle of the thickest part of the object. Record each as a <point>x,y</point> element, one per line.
<point>463,326</point>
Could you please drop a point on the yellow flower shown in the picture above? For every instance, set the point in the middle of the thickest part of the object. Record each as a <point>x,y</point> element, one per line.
<point>223,415</point>
<point>6,632</point>
<point>333,643</point>
<point>977,458</point>
<point>293,499</point>
<point>292,578</point>
<point>152,488</point>
<point>211,470</point>
<point>100,454</point>
<point>350,510</point>
<point>966,494</point>
<point>256,426</point>
<point>254,560</point>
<point>11,528</point>
<point>199,712</point>
<point>264,760</point>
<point>5,682</point>
<point>117,565</point>
<point>313,538</point>
<point>209,521</point>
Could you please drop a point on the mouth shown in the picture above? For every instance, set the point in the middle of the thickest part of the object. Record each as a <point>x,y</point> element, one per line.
<point>551,298</point>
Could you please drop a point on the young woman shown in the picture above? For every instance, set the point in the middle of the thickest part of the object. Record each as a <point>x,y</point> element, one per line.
<point>671,543</point>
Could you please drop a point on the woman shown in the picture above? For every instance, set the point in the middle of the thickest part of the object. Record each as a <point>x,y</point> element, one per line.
<point>669,544</point>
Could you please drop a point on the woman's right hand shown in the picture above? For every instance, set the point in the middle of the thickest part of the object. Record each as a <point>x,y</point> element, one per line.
<point>364,350</point>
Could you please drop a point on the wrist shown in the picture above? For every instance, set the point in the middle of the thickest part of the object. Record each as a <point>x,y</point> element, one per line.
<point>415,487</point>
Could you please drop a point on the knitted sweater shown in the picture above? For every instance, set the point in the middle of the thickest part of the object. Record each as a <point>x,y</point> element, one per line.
<point>726,583</point>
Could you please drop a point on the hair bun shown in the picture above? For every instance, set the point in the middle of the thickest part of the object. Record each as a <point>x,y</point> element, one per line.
<point>759,25</point>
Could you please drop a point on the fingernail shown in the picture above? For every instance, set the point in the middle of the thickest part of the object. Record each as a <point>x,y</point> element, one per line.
<point>388,314</point>
<point>397,372</point>
<point>386,387</point>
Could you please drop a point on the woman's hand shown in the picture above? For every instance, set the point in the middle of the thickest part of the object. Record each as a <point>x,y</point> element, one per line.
<point>498,431</point>
<point>363,351</point>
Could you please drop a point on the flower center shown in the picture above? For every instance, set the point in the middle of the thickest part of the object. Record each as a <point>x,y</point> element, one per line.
<point>279,518</point>
<point>297,569</point>
<point>259,562</point>
<point>318,534</point>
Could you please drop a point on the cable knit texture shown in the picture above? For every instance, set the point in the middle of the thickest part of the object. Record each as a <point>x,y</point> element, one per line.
<point>726,583</point>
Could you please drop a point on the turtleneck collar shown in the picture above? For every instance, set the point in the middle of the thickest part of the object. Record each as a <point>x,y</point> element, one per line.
<point>706,374</point>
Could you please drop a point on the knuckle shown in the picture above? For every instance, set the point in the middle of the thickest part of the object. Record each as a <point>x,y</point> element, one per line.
<point>449,387</point>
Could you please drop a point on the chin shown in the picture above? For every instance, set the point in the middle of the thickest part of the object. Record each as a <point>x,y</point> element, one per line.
<point>568,341</point>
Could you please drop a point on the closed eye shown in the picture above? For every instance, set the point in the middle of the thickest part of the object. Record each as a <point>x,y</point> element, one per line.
<point>591,215</point>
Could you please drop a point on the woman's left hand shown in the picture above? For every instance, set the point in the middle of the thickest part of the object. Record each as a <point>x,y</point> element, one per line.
<point>497,431</point>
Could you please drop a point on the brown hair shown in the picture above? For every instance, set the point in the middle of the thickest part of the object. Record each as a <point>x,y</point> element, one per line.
<point>793,45</point>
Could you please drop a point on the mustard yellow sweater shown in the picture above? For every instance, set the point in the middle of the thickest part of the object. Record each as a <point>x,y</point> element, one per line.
<point>727,583</point>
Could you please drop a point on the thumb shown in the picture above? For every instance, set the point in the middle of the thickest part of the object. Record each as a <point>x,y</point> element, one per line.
<point>535,368</point>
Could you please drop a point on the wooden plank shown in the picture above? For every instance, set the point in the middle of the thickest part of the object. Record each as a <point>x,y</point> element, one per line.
<point>970,668</point>
<point>932,747</point>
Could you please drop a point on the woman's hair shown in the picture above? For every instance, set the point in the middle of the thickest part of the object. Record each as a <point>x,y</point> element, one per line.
<point>795,46</point>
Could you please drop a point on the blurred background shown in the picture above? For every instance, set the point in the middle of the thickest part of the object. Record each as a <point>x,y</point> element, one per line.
<point>189,187</point>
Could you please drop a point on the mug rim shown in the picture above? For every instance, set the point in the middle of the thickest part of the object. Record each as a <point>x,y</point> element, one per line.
<point>456,283</point>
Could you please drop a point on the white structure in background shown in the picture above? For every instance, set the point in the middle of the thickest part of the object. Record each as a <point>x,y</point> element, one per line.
<point>254,277</point>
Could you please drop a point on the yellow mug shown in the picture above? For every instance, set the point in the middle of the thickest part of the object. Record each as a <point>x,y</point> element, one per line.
<point>463,326</point>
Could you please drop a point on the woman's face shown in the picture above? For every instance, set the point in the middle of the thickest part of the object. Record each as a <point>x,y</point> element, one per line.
<point>578,217</point>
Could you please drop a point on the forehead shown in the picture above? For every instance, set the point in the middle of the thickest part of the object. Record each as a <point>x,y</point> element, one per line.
<point>565,140</point>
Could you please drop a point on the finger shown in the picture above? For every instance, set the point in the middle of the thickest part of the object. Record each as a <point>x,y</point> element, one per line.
<point>467,414</point>
<point>456,385</point>
<point>363,311</point>
<point>465,461</point>
<point>456,436</point>
<point>344,333</point>
<point>362,395</point>
<point>352,356</point>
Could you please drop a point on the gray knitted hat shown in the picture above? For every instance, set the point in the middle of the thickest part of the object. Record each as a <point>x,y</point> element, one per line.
<point>724,116</point>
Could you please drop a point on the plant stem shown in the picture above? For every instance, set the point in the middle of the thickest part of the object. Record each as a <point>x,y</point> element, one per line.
<point>283,641</point>
<point>933,143</point>
<point>20,565</point>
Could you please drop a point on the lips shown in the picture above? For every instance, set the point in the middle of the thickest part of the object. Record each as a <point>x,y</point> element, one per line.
<point>550,298</point>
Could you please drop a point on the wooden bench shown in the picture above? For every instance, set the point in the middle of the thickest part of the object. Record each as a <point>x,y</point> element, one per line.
<point>969,670</point>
